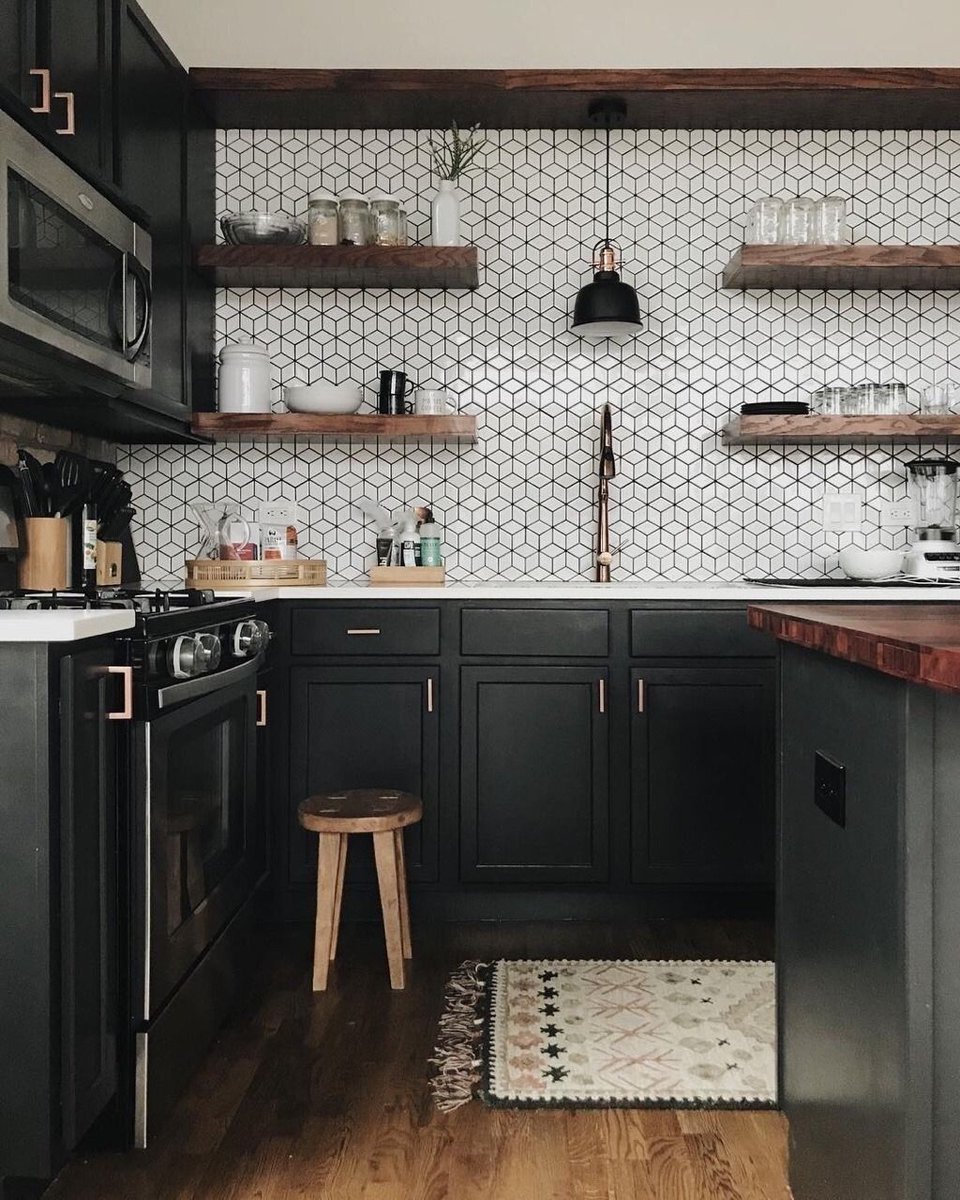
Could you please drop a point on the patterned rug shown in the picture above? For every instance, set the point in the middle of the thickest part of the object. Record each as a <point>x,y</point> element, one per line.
<point>582,1033</point>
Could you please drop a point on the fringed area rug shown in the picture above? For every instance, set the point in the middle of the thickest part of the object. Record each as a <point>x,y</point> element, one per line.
<point>582,1033</point>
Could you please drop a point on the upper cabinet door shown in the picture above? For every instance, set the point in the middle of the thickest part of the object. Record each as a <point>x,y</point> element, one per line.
<point>151,110</point>
<point>18,53</point>
<point>74,43</point>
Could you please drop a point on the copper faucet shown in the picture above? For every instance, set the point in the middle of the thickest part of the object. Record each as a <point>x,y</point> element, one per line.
<point>607,469</point>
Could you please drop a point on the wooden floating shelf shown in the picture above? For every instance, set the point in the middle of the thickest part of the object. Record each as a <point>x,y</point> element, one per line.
<point>233,427</point>
<point>739,98</point>
<point>816,430</point>
<point>340,266</point>
<point>860,268</point>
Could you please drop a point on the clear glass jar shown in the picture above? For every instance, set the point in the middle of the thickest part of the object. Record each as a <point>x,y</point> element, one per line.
<point>831,223</point>
<point>763,222</point>
<point>354,220</point>
<point>384,221</point>
<point>798,222</point>
<point>828,401</point>
<point>323,220</point>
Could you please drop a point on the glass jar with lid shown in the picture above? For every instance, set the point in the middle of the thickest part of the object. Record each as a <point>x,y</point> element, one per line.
<point>323,220</point>
<point>354,220</point>
<point>384,220</point>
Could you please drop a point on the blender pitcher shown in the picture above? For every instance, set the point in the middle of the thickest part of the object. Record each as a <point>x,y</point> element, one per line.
<point>933,482</point>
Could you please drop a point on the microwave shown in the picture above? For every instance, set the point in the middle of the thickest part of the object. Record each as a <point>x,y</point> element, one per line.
<point>74,269</point>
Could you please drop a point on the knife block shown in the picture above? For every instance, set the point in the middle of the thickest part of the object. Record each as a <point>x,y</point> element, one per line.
<point>44,566</point>
<point>109,557</point>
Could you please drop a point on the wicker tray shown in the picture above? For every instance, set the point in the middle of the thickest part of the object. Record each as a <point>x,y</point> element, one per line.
<point>226,574</point>
<point>407,576</point>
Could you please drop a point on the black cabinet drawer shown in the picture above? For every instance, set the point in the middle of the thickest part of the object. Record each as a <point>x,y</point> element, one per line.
<point>563,632</point>
<point>365,631</point>
<point>696,633</point>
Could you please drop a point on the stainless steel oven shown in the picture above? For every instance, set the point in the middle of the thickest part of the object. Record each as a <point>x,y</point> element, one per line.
<point>74,270</point>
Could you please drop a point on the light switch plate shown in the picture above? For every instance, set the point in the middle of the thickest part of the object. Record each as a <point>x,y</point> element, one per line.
<point>842,512</point>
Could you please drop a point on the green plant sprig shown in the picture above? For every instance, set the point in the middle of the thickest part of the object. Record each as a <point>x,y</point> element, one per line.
<point>456,154</point>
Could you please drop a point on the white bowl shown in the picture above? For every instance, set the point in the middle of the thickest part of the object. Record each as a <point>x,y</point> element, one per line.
<point>322,397</point>
<point>870,564</point>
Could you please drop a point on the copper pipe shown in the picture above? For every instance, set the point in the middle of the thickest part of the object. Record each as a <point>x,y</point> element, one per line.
<point>607,469</point>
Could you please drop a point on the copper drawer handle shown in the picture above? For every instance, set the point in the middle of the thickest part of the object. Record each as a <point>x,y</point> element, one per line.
<point>261,707</point>
<point>44,76</point>
<point>641,696</point>
<point>363,633</point>
<point>125,713</point>
<point>602,695</point>
<point>429,695</point>
<point>71,127</point>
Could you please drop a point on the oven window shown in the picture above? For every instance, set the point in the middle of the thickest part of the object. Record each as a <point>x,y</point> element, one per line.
<point>204,811</point>
<point>61,269</point>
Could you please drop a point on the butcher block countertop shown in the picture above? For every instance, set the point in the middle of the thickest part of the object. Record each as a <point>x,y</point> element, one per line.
<point>913,642</point>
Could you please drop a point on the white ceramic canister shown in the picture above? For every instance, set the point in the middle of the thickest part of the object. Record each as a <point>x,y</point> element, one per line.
<point>245,379</point>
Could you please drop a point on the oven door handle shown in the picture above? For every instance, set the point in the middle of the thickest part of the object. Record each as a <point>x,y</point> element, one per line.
<point>205,685</point>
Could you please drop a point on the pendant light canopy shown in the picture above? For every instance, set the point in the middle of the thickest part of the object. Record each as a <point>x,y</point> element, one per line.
<point>608,307</point>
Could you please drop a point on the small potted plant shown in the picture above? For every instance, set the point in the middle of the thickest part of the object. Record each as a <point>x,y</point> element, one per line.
<point>454,156</point>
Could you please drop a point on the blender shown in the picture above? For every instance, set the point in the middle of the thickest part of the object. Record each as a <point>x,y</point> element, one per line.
<point>934,553</point>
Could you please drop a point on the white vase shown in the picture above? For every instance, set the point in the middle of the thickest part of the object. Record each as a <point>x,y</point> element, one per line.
<point>445,215</point>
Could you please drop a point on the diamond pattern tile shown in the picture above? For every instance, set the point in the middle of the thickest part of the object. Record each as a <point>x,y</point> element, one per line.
<point>520,502</point>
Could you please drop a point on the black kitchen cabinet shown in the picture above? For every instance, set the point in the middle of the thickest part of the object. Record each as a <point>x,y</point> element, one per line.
<point>88,891</point>
<point>702,774</point>
<point>365,727</point>
<point>18,54</point>
<point>151,115</point>
<point>58,909</point>
<point>534,774</point>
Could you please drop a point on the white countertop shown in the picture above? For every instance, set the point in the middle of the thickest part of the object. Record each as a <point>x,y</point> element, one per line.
<point>62,625</point>
<point>704,590</point>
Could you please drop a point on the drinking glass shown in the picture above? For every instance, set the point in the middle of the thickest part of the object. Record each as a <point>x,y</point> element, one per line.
<point>831,221</point>
<point>763,222</point>
<point>828,401</point>
<point>798,222</point>
<point>940,399</point>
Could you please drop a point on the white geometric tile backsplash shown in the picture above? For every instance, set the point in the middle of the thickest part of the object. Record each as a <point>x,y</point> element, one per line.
<point>520,502</point>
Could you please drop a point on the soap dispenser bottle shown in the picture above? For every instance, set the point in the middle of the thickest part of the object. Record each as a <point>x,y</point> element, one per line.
<point>430,541</point>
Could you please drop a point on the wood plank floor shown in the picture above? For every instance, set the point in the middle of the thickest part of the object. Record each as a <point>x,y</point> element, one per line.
<point>324,1096</point>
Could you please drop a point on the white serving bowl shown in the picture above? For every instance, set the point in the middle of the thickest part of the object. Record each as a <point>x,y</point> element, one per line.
<point>870,564</point>
<point>322,397</point>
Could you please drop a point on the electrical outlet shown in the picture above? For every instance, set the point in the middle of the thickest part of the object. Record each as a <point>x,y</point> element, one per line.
<point>842,512</point>
<point>896,513</point>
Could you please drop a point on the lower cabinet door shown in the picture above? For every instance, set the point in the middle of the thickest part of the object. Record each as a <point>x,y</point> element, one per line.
<point>534,771</point>
<point>365,727</point>
<point>702,775</point>
<point>88,891</point>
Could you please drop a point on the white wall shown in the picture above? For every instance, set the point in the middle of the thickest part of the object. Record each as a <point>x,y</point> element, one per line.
<point>560,33</point>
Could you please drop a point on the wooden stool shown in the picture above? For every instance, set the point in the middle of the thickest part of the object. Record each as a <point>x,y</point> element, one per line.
<point>334,816</point>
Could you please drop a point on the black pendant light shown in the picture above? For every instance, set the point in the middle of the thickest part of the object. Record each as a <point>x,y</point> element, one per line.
<point>608,307</point>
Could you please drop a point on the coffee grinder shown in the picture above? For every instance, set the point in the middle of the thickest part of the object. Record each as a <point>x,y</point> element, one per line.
<point>934,553</point>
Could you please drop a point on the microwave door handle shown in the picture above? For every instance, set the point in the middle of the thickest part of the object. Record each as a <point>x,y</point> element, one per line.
<point>135,271</point>
<point>118,282</point>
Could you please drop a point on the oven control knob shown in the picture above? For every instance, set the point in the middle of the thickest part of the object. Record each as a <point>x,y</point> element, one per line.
<point>193,654</point>
<point>250,638</point>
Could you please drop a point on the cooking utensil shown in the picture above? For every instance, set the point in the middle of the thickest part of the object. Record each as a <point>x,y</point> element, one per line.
<point>111,529</point>
<point>74,473</point>
<point>31,484</point>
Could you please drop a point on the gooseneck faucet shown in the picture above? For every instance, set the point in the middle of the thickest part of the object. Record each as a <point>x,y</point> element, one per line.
<point>607,469</point>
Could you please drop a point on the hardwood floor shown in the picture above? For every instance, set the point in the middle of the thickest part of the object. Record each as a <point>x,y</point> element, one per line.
<point>323,1096</point>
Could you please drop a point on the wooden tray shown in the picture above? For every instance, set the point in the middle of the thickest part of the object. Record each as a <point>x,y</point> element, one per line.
<point>407,576</point>
<point>225,574</point>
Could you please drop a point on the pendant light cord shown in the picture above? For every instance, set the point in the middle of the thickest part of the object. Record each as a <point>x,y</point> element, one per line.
<point>606,226</point>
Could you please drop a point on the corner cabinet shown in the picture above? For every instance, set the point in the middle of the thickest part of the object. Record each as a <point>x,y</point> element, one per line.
<point>534,774</point>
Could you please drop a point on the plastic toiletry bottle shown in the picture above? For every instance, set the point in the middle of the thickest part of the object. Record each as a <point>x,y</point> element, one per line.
<point>409,539</point>
<point>430,542</point>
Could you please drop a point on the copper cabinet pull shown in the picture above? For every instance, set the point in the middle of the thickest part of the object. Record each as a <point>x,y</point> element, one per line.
<point>429,695</point>
<point>125,713</point>
<point>641,696</point>
<point>70,128</point>
<point>363,632</point>
<point>602,695</point>
<point>44,76</point>
<point>261,707</point>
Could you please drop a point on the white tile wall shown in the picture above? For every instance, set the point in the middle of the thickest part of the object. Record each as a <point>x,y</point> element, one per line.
<point>519,503</point>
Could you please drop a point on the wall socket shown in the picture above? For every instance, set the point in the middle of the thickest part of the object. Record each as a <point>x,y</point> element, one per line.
<point>896,513</point>
<point>842,512</point>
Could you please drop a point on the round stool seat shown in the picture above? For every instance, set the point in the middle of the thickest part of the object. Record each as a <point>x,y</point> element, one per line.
<point>359,810</point>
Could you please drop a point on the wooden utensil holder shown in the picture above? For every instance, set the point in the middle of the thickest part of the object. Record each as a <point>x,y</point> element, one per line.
<point>44,566</point>
<point>109,559</point>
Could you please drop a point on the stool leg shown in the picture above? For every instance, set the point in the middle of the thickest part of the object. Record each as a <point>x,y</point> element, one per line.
<point>338,902</point>
<point>385,852</point>
<point>402,894</point>
<point>328,862</point>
